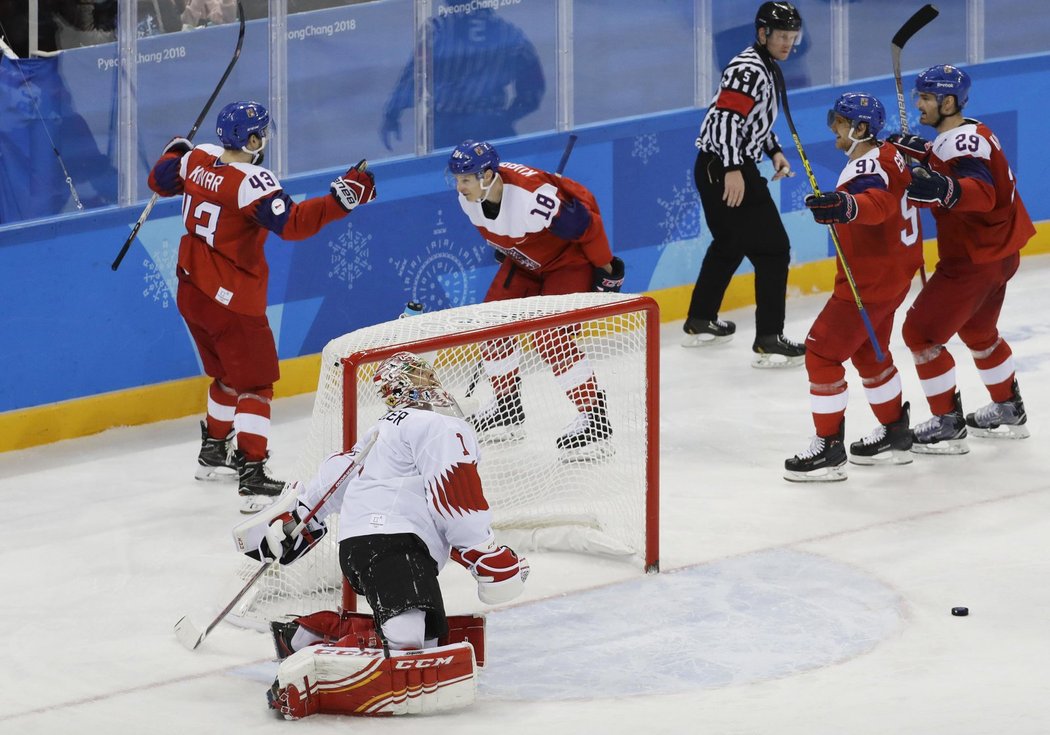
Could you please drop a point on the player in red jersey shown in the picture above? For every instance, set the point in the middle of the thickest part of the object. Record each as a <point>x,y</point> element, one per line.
<point>548,233</point>
<point>230,204</point>
<point>982,225</point>
<point>879,233</point>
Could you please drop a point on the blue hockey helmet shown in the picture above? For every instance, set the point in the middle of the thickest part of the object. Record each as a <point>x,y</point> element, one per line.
<point>945,79</point>
<point>778,16</point>
<point>473,157</point>
<point>238,121</point>
<point>858,107</point>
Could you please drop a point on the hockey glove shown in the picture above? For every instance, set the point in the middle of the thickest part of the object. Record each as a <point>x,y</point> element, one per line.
<point>834,207</point>
<point>182,146</point>
<point>500,573</point>
<point>499,255</point>
<point>911,145</point>
<point>357,186</point>
<point>609,282</point>
<point>933,188</point>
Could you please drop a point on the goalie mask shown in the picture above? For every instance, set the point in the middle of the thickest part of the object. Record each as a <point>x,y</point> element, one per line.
<point>406,380</point>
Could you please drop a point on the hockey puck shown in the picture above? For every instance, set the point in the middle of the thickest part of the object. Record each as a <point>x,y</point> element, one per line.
<point>960,612</point>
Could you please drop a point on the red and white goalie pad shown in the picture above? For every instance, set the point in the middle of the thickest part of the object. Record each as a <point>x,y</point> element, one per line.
<point>363,682</point>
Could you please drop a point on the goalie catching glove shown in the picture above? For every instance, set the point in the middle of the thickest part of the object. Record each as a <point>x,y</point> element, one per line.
<point>270,535</point>
<point>357,186</point>
<point>500,573</point>
<point>609,282</point>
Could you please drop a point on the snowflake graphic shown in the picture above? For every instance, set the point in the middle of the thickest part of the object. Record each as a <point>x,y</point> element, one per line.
<point>681,213</point>
<point>893,124</point>
<point>645,147</point>
<point>156,288</point>
<point>443,275</point>
<point>798,196</point>
<point>349,256</point>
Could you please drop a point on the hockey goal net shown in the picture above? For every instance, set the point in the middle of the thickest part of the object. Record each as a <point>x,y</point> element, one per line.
<point>541,497</point>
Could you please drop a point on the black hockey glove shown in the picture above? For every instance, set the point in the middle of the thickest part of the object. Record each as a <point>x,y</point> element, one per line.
<point>934,188</point>
<point>833,207</point>
<point>911,145</point>
<point>609,282</point>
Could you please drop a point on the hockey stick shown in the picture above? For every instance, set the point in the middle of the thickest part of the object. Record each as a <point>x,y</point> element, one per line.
<point>782,91</point>
<point>569,144</point>
<point>193,131</point>
<point>190,636</point>
<point>913,25</point>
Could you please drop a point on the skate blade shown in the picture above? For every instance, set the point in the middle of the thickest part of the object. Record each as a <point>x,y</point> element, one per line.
<point>889,457</point>
<point>775,362</point>
<point>945,446</point>
<point>825,474</point>
<point>704,340</point>
<point>212,474</point>
<point>598,451</point>
<point>1003,431</point>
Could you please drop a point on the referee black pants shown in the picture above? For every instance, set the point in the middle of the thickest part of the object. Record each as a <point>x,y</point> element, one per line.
<point>752,230</point>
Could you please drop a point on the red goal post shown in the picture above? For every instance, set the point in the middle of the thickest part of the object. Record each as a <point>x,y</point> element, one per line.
<point>540,497</point>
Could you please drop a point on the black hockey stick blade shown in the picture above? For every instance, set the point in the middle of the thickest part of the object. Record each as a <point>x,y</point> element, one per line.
<point>914,24</point>
<point>193,131</point>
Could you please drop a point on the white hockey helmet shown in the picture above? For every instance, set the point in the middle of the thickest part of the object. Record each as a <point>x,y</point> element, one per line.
<point>407,380</point>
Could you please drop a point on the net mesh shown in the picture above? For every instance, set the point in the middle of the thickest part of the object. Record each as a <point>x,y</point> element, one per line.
<point>591,500</point>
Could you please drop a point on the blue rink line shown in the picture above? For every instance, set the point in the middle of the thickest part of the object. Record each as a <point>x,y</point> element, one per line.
<point>738,621</point>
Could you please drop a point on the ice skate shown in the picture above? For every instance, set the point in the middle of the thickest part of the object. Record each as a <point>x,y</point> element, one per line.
<point>776,351</point>
<point>824,461</point>
<point>942,434</point>
<point>282,637</point>
<point>257,488</point>
<point>215,461</point>
<point>501,419</point>
<point>1004,420</point>
<point>704,332</point>
<point>586,438</point>
<point>888,444</point>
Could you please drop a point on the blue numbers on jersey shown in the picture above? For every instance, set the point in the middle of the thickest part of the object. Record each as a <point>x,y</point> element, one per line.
<point>866,166</point>
<point>263,180</point>
<point>547,203</point>
<point>967,142</point>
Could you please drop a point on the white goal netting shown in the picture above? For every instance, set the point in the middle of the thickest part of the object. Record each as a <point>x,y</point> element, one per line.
<point>541,497</point>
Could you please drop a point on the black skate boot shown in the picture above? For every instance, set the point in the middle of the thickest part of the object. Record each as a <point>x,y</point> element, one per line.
<point>501,418</point>
<point>942,434</point>
<point>824,461</point>
<point>282,637</point>
<point>585,438</point>
<point>776,351</point>
<point>888,444</point>
<point>215,461</point>
<point>704,332</point>
<point>1004,420</point>
<point>257,488</point>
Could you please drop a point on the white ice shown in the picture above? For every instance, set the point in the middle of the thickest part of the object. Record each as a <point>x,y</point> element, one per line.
<point>782,608</point>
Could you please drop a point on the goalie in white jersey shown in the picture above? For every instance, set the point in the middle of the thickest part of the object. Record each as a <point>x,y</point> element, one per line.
<point>409,498</point>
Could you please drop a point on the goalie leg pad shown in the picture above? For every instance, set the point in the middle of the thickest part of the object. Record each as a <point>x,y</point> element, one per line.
<point>355,681</point>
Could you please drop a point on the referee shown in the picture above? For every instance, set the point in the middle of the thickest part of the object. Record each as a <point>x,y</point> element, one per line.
<point>744,221</point>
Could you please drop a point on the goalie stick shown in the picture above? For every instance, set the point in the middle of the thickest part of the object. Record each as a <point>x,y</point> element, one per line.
<point>782,93</point>
<point>913,25</point>
<point>191,636</point>
<point>193,131</point>
<point>478,368</point>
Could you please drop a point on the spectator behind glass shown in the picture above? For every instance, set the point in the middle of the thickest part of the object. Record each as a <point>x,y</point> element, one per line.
<point>477,56</point>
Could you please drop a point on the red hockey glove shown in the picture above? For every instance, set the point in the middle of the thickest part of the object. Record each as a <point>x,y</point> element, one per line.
<point>834,207</point>
<point>933,188</point>
<point>609,282</point>
<point>357,186</point>
<point>500,573</point>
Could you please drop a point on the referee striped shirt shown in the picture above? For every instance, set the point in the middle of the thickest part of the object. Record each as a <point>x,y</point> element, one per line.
<point>738,127</point>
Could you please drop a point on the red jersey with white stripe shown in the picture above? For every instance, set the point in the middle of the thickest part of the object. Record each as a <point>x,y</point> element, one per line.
<point>229,209</point>
<point>883,245</point>
<point>545,222</point>
<point>990,221</point>
<point>421,477</point>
